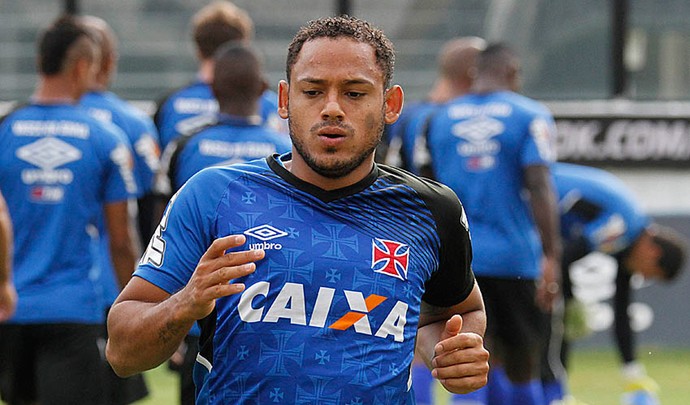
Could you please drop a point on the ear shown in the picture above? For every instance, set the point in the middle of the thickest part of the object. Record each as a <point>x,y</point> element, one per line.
<point>283,89</point>
<point>393,104</point>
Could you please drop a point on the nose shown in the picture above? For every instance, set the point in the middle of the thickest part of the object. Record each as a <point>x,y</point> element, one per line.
<point>332,109</point>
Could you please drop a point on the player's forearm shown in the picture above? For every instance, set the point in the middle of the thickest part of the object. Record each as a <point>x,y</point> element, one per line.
<point>430,335</point>
<point>6,246</point>
<point>433,320</point>
<point>142,335</point>
<point>544,208</point>
<point>119,228</point>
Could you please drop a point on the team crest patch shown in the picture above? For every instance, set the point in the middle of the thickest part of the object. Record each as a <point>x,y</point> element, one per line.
<point>390,258</point>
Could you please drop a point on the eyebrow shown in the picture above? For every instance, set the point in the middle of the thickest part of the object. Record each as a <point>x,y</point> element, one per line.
<point>314,80</point>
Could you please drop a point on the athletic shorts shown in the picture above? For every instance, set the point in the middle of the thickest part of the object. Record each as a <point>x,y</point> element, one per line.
<point>55,364</point>
<point>513,318</point>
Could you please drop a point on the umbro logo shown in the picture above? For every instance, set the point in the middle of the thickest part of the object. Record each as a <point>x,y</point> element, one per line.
<point>265,233</point>
<point>48,153</point>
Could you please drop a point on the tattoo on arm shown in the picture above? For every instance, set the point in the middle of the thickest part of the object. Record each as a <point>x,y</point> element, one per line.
<point>168,332</point>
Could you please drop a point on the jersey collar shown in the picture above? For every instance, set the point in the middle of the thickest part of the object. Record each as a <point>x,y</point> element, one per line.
<point>275,163</point>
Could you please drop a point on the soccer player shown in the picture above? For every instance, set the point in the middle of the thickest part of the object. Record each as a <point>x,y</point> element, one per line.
<point>194,105</point>
<point>142,138</point>
<point>493,147</point>
<point>312,274</point>
<point>600,214</point>
<point>140,130</point>
<point>456,67</point>
<point>59,170</point>
<point>235,137</point>
<point>8,294</point>
<point>456,62</point>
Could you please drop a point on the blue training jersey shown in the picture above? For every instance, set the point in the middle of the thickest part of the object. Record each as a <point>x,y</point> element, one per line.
<point>142,138</point>
<point>479,146</point>
<point>230,140</point>
<point>58,167</point>
<point>597,206</point>
<point>330,315</point>
<point>404,136</point>
<point>195,105</point>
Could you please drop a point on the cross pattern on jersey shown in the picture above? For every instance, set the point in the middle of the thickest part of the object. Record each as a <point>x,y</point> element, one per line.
<point>330,315</point>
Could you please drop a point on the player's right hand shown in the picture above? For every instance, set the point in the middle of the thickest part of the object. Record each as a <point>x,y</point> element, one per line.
<point>213,275</point>
<point>8,300</point>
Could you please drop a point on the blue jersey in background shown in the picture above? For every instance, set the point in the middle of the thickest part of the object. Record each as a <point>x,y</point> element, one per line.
<point>195,105</point>
<point>479,145</point>
<point>58,167</point>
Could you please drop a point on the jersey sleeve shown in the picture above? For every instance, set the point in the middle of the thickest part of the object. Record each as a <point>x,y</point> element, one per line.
<point>119,183</point>
<point>184,234</point>
<point>453,281</point>
<point>538,147</point>
<point>146,152</point>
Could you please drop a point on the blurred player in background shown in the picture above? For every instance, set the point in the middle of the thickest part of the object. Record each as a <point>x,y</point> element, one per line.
<point>493,147</point>
<point>194,104</point>
<point>310,285</point>
<point>236,136</point>
<point>8,294</point>
<point>139,128</point>
<point>456,67</point>
<point>60,169</point>
<point>142,138</point>
<point>600,214</point>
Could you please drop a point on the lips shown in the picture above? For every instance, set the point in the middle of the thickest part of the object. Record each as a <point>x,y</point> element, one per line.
<point>332,136</point>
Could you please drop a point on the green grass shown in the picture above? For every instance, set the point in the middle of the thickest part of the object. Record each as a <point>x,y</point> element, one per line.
<point>594,377</point>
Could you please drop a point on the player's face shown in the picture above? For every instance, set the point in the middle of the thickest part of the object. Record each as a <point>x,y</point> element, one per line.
<point>644,259</point>
<point>337,108</point>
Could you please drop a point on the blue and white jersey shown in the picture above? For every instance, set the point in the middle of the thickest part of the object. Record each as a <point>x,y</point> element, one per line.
<point>195,105</point>
<point>331,313</point>
<point>58,167</point>
<point>230,140</point>
<point>142,138</point>
<point>140,130</point>
<point>597,206</point>
<point>479,146</point>
<point>406,136</point>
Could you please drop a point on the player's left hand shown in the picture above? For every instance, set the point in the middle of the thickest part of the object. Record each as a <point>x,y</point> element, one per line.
<point>549,286</point>
<point>460,363</point>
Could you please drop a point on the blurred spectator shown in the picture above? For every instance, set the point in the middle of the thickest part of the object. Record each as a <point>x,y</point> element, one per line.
<point>60,169</point>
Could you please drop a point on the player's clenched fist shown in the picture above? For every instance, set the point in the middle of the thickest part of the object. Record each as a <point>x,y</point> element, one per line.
<point>212,278</point>
<point>460,363</point>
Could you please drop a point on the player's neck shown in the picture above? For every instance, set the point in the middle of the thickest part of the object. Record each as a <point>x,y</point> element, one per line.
<point>205,72</point>
<point>56,90</point>
<point>298,167</point>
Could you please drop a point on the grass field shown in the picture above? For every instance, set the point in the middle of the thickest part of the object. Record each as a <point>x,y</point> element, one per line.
<point>594,377</point>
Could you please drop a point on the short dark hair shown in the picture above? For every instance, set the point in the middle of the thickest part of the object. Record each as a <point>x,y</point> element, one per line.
<point>218,23</point>
<point>673,247</point>
<point>56,41</point>
<point>348,27</point>
<point>238,73</point>
<point>495,58</point>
